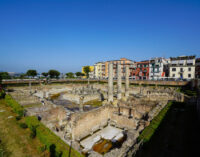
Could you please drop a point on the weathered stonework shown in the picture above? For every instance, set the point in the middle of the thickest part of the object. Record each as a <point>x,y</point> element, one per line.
<point>110,83</point>
<point>119,82</point>
<point>132,114</point>
<point>127,82</point>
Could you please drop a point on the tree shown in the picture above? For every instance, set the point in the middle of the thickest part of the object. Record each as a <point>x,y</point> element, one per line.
<point>22,76</point>
<point>4,75</point>
<point>79,74</point>
<point>53,73</point>
<point>0,81</point>
<point>31,73</point>
<point>87,70</point>
<point>70,75</point>
<point>45,74</point>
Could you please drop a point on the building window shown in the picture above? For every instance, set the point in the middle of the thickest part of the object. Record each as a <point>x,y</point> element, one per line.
<point>181,70</point>
<point>189,63</point>
<point>173,75</point>
<point>173,69</point>
<point>189,75</point>
<point>189,69</point>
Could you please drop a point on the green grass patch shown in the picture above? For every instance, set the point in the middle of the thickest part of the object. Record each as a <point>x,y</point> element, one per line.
<point>15,140</point>
<point>55,96</point>
<point>149,131</point>
<point>52,142</point>
<point>3,151</point>
<point>187,91</point>
<point>16,107</point>
<point>32,105</point>
<point>94,103</point>
<point>23,125</point>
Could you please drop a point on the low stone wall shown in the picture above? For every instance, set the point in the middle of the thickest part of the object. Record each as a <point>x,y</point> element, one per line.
<point>143,82</point>
<point>154,96</point>
<point>76,98</point>
<point>88,122</point>
<point>84,124</point>
<point>122,121</point>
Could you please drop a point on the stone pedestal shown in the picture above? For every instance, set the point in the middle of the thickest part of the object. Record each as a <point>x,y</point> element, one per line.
<point>110,83</point>
<point>119,82</point>
<point>127,82</point>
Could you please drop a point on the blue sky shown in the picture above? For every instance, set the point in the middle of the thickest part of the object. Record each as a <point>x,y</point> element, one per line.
<point>67,34</point>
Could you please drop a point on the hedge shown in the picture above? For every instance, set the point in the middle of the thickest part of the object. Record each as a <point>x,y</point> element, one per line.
<point>17,108</point>
<point>148,132</point>
<point>50,140</point>
<point>2,94</point>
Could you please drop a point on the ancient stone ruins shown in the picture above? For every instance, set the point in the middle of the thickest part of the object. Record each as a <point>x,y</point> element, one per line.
<point>98,119</point>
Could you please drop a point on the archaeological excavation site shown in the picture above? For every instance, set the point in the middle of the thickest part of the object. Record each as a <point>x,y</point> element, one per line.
<point>97,119</point>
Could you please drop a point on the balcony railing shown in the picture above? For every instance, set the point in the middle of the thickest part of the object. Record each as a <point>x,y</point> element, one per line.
<point>176,65</point>
<point>155,71</point>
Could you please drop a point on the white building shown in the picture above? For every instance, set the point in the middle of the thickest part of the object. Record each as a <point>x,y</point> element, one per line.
<point>91,75</point>
<point>182,67</point>
<point>158,68</point>
<point>99,70</point>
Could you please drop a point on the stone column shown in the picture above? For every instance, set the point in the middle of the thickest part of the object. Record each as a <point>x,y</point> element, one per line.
<point>44,94</point>
<point>30,87</point>
<point>110,83</point>
<point>81,103</point>
<point>119,82</point>
<point>127,82</point>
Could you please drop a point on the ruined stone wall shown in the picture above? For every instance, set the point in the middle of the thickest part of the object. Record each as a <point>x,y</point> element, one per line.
<point>125,111</point>
<point>122,121</point>
<point>154,96</point>
<point>88,122</point>
<point>84,124</point>
<point>75,98</point>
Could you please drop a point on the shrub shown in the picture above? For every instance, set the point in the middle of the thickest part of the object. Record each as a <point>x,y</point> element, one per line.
<point>33,131</point>
<point>18,117</point>
<point>2,94</point>
<point>17,108</point>
<point>23,125</point>
<point>41,148</point>
<point>52,142</point>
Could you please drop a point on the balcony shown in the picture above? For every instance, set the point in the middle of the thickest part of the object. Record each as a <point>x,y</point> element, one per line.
<point>155,71</point>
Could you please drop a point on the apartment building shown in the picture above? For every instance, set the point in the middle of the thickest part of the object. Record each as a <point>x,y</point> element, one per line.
<point>197,68</point>
<point>99,70</point>
<point>133,70</point>
<point>182,67</point>
<point>158,68</point>
<point>142,70</point>
<point>123,62</point>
